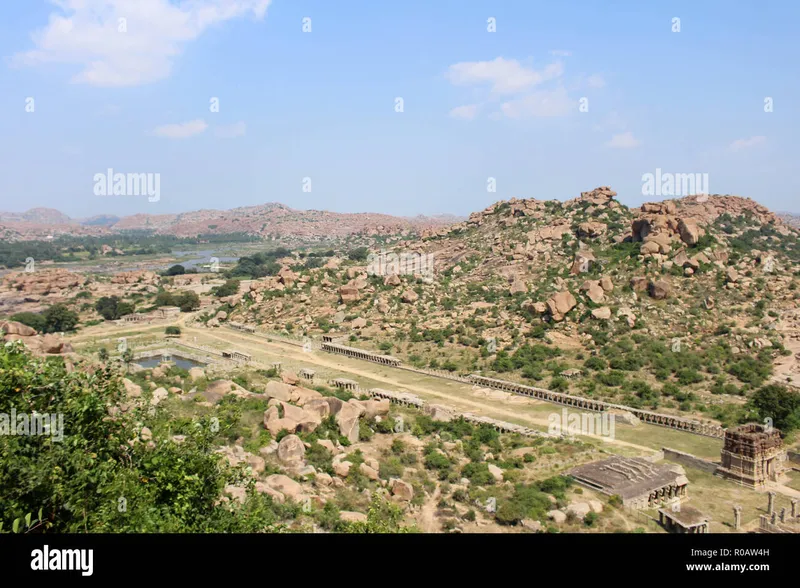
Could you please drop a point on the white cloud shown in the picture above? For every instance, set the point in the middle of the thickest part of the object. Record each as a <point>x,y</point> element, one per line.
<point>181,131</point>
<point>505,76</point>
<point>466,112</point>
<point>747,143</point>
<point>623,141</point>
<point>231,131</point>
<point>90,34</point>
<point>596,81</point>
<point>540,104</point>
<point>560,53</point>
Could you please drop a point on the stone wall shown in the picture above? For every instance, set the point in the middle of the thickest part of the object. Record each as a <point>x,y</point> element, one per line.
<point>689,460</point>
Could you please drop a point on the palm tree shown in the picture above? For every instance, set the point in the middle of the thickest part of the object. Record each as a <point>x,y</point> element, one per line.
<point>127,358</point>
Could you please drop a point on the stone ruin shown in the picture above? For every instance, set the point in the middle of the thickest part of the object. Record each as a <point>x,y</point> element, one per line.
<point>639,483</point>
<point>752,455</point>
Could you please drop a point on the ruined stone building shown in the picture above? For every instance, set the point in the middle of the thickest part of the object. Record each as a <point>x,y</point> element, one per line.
<point>639,483</point>
<point>752,455</point>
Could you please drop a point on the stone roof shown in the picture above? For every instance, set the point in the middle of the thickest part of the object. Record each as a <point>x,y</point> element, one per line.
<point>686,516</point>
<point>628,477</point>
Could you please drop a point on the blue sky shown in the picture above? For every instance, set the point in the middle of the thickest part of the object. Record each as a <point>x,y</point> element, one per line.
<point>322,104</point>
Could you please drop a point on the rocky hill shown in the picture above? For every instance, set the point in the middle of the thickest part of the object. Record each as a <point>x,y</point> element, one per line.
<point>684,305</point>
<point>267,220</point>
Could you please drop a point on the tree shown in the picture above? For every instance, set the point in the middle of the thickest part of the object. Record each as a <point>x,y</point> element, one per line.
<point>188,301</point>
<point>59,318</point>
<point>172,330</point>
<point>95,481</point>
<point>102,354</point>
<point>778,403</point>
<point>175,270</point>
<point>229,288</point>
<point>111,308</point>
<point>359,254</point>
<point>127,358</point>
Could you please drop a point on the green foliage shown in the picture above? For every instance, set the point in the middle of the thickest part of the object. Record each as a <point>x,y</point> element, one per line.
<point>382,517</point>
<point>186,300</point>
<point>31,319</point>
<point>229,288</point>
<point>175,270</point>
<point>111,308</point>
<point>359,254</point>
<point>58,318</point>
<point>778,403</point>
<point>92,479</point>
<point>260,265</point>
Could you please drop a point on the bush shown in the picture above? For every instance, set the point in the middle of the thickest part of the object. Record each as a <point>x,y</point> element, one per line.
<point>229,288</point>
<point>31,319</point>
<point>172,330</point>
<point>59,318</point>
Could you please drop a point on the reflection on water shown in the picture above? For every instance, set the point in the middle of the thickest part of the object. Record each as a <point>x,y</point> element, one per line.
<point>200,258</point>
<point>178,361</point>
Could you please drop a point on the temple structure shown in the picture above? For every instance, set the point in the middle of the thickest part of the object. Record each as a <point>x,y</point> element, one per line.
<point>752,455</point>
<point>640,484</point>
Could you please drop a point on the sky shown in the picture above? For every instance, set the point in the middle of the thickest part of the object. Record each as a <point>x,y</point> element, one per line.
<point>408,107</point>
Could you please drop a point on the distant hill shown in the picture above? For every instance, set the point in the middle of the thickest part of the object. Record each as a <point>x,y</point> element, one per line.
<point>103,220</point>
<point>266,220</point>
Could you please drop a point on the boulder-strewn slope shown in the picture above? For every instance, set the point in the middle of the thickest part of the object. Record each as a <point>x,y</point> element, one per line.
<point>684,305</point>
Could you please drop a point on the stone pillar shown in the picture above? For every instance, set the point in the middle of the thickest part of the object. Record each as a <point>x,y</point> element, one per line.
<point>794,507</point>
<point>783,515</point>
<point>774,518</point>
<point>737,517</point>
<point>771,503</point>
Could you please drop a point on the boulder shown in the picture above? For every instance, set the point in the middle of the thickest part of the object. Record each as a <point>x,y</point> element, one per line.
<point>349,294</point>
<point>556,516</point>
<point>15,328</point>
<point>369,472</point>
<point>342,468</point>
<point>278,390</point>
<point>347,419</point>
<point>400,489</point>
<point>318,406</point>
<point>496,472</point>
<point>352,517</point>
<point>579,509</point>
<point>659,289</point>
<point>285,485</point>
<point>291,450</point>
<point>409,296</point>
<point>560,304</point>
<point>275,426</point>
<point>159,394</point>
<point>131,390</point>
<point>196,373</point>
<point>602,313</point>
<point>376,407</point>
<point>689,231</point>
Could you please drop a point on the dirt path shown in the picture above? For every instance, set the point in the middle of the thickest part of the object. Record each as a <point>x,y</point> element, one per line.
<point>427,517</point>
